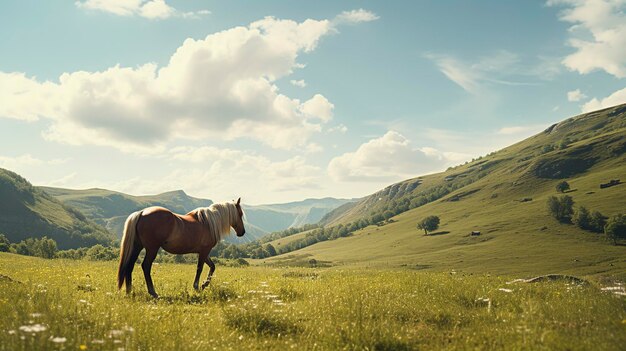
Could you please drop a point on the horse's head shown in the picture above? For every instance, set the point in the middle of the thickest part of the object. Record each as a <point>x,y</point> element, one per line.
<point>238,224</point>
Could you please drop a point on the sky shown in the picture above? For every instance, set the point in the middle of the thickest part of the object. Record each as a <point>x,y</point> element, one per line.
<point>277,101</point>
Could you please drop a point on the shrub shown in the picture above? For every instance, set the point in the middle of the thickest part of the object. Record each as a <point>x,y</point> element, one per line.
<point>598,221</point>
<point>562,187</point>
<point>100,253</point>
<point>615,228</point>
<point>5,244</point>
<point>561,208</point>
<point>582,218</point>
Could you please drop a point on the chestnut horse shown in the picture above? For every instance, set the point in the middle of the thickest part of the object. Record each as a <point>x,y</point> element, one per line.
<point>196,232</point>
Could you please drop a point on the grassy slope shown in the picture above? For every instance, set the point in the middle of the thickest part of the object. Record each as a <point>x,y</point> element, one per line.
<point>278,243</point>
<point>110,208</point>
<point>26,211</point>
<point>517,237</point>
<point>259,308</point>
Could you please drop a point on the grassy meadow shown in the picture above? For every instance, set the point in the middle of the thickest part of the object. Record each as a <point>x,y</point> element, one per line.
<point>73,305</point>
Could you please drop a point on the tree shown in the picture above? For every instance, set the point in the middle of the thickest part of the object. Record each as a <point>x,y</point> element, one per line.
<point>615,228</point>
<point>428,224</point>
<point>5,244</point>
<point>46,248</point>
<point>561,208</point>
<point>582,218</point>
<point>271,250</point>
<point>598,221</point>
<point>562,187</point>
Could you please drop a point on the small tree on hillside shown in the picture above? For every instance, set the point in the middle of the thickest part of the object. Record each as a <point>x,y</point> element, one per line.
<point>562,187</point>
<point>561,208</point>
<point>582,218</point>
<point>428,224</point>
<point>598,221</point>
<point>615,228</point>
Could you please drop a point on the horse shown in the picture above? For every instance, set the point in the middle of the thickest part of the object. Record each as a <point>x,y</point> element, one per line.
<point>196,232</point>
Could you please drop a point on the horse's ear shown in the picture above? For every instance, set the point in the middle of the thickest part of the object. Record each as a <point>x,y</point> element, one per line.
<point>238,201</point>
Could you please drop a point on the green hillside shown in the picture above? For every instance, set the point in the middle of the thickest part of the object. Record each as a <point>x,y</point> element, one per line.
<point>110,208</point>
<point>503,195</point>
<point>26,211</point>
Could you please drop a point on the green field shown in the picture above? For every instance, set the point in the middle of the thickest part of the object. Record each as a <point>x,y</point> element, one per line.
<point>73,305</point>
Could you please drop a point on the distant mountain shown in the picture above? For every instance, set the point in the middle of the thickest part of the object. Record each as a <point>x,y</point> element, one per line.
<point>276,217</point>
<point>110,209</point>
<point>503,196</point>
<point>26,211</point>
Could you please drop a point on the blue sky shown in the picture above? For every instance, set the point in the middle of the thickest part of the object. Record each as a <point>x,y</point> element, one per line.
<point>278,100</point>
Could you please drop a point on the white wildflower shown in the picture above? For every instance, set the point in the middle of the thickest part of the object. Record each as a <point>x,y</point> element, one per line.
<point>34,328</point>
<point>58,339</point>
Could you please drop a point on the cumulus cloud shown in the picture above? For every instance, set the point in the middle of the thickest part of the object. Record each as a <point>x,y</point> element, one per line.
<point>151,9</point>
<point>390,157</point>
<point>575,95</point>
<point>222,86</point>
<point>617,98</point>
<point>355,16</point>
<point>598,35</point>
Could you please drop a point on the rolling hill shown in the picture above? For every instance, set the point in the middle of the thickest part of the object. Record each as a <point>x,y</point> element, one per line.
<point>26,211</point>
<point>110,209</point>
<point>503,195</point>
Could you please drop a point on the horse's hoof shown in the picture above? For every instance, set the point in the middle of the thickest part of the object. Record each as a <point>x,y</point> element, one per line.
<point>205,285</point>
<point>154,295</point>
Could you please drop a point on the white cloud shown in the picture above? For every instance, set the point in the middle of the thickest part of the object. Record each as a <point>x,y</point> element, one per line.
<point>27,161</point>
<point>355,16</point>
<point>64,181</point>
<point>340,128</point>
<point>575,95</point>
<point>617,98</point>
<point>318,107</point>
<point>598,34</point>
<point>208,171</point>
<point>222,86</point>
<point>152,9</point>
<point>390,157</point>
<point>298,83</point>
<point>492,69</point>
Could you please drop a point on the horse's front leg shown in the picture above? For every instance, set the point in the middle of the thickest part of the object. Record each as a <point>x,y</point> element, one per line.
<point>211,270</point>
<point>198,271</point>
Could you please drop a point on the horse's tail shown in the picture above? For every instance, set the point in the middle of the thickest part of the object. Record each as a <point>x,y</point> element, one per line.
<point>127,245</point>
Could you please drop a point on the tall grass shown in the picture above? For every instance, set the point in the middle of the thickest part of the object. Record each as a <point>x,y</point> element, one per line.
<point>73,305</point>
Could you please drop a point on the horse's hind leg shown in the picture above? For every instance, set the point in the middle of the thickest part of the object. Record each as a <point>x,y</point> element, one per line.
<point>211,265</point>
<point>198,271</point>
<point>146,265</point>
<point>131,265</point>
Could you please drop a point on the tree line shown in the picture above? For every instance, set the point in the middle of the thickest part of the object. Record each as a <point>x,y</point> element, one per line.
<point>562,209</point>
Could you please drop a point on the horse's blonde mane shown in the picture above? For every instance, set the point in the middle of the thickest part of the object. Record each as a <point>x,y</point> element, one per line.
<point>219,218</point>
